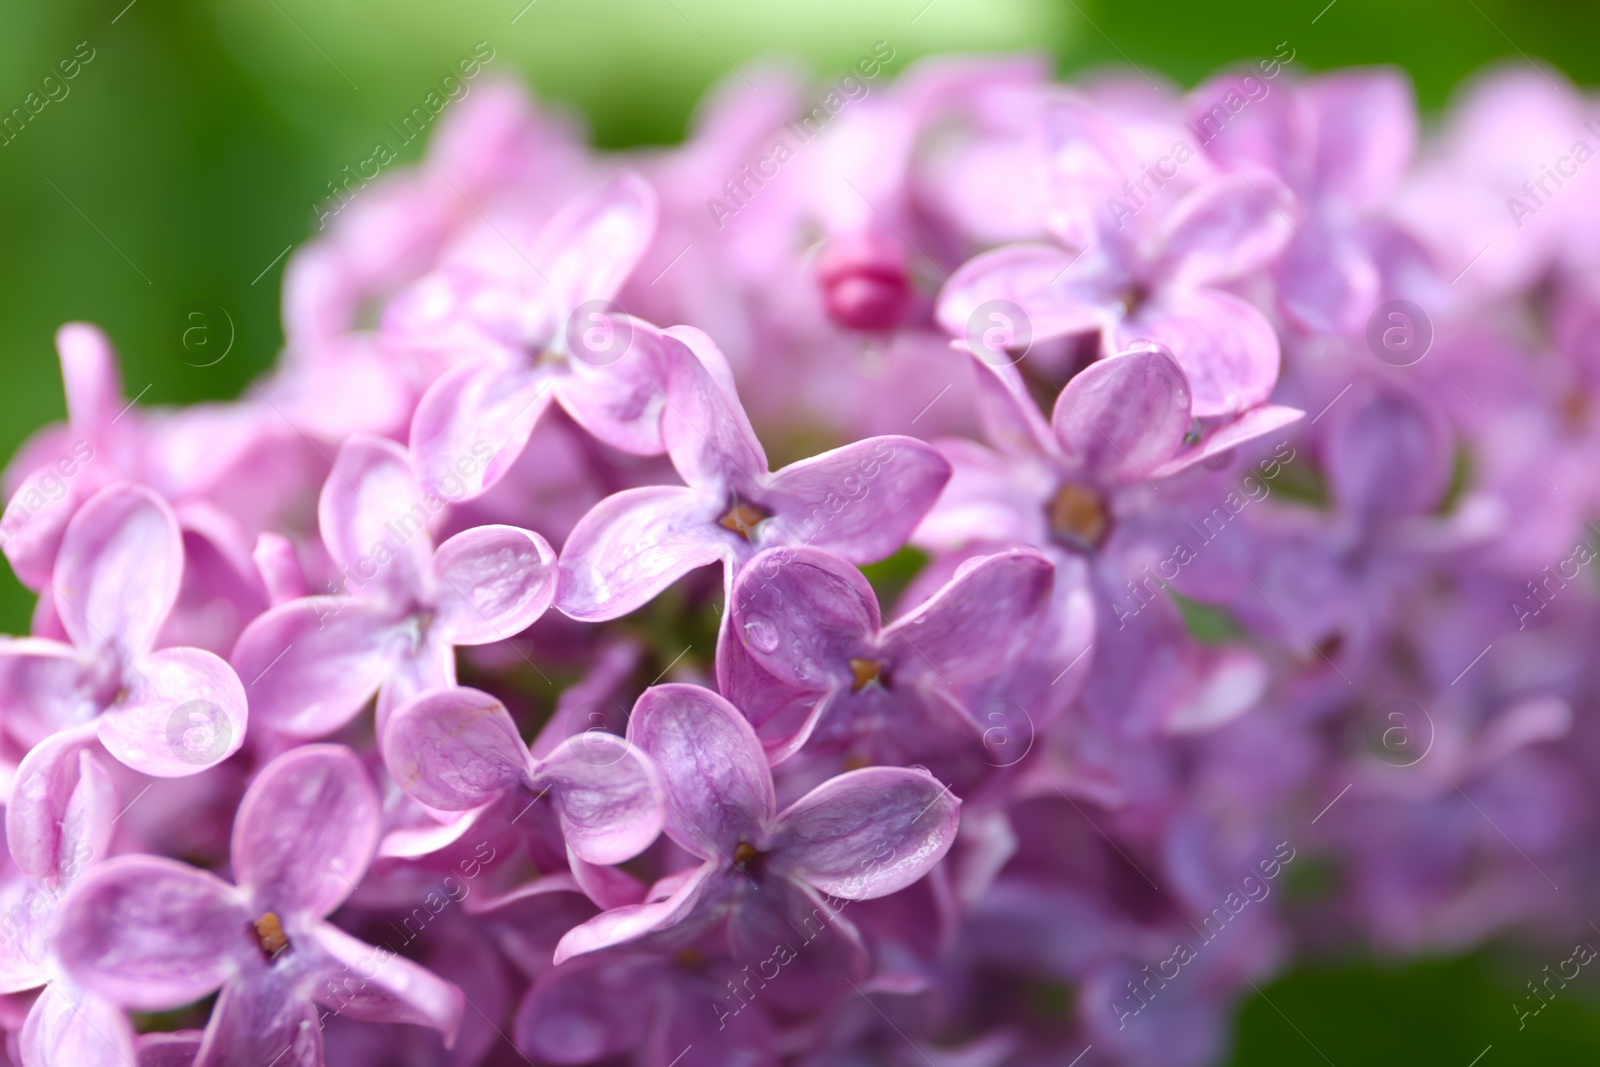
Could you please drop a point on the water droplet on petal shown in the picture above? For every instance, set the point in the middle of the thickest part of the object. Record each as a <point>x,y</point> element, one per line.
<point>760,634</point>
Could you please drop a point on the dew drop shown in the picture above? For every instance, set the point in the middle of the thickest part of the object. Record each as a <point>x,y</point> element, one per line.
<point>760,634</point>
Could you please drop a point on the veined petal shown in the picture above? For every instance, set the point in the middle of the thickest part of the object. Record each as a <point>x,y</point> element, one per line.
<point>184,711</point>
<point>71,1027</point>
<point>607,794</point>
<point>473,423</point>
<point>119,569</point>
<point>306,830</point>
<point>377,986</point>
<point>454,749</point>
<point>60,809</point>
<point>494,582</point>
<point>867,833</point>
<point>1124,415</point>
<point>1226,347</point>
<point>802,614</point>
<point>373,516</point>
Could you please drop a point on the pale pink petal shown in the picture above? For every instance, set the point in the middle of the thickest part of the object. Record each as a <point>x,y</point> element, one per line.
<point>184,711</point>
<point>616,383</point>
<point>374,518</point>
<point>71,1027</point>
<point>309,666</point>
<point>305,832</point>
<point>60,807</point>
<point>1257,422</point>
<point>151,933</point>
<point>473,423</point>
<point>89,373</point>
<point>704,427</point>
<point>1002,302</point>
<point>1366,122</point>
<point>1227,227</point>
<point>593,243</point>
<point>118,571</point>
<point>495,581</point>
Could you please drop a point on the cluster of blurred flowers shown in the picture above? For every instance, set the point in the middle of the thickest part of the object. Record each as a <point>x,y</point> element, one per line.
<point>955,570</point>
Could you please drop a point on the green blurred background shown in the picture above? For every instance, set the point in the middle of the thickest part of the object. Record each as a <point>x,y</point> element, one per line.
<point>189,150</point>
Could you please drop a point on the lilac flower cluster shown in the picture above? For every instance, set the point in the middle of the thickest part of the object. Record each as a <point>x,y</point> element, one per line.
<point>507,676</point>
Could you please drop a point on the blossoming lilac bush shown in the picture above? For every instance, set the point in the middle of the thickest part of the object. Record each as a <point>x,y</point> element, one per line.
<point>994,558</point>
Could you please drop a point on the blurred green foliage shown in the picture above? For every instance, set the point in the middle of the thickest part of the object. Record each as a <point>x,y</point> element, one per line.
<point>188,152</point>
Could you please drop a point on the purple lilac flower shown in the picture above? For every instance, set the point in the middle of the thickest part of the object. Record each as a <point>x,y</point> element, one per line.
<point>860,501</point>
<point>149,933</point>
<point>399,606</point>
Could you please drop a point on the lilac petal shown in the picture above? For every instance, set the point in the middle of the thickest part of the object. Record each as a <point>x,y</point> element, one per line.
<point>585,1011</point>
<point>1386,452</point>
<point>27,934</point>
<point>60,809</point>
<point>374,518</point>
<point>71,1027</point>
<point>1226,228</point>
<point>279,568</point>
<point>606,887</point>
<point>495,582</point>
<point>151,933</point>
<point>184,712</point>
<point>454,749</point>
<point>177,1049</point>
<point>1257,422</point>
<point>801,614</point>
<point>634,544</point>
<point>1366,132</point>
<point>1226,347</point>
<point>607,794</point>
<point>264,1023</point>
<point>704,427</point>
<point>719,790</point>
<point>118,571</point>
<point>588,249</point>
<point>1054,297</point>
<point>867,833</point>
<point>619,399</point>
<point>787,925</point>
<point>1327,282</point>
<point>375,985</point>
<point>690,1036</point>
<point>860,501</point>
<point>1124,415</point>
<point>429,663</point>
<point>305,831</point>
<point>631,922</point>
<point>473,423</point>
<point>89,373</point>
<point>1010,417</point>
<point>980,623</point>
<point>309,666</point>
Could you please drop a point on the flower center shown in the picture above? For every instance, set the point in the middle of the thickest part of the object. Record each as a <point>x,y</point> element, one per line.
<point>742,518</point>
<point>1078,516</point>
<point>867,672</point>
<point>270,936</point>
<point>745,856</point>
